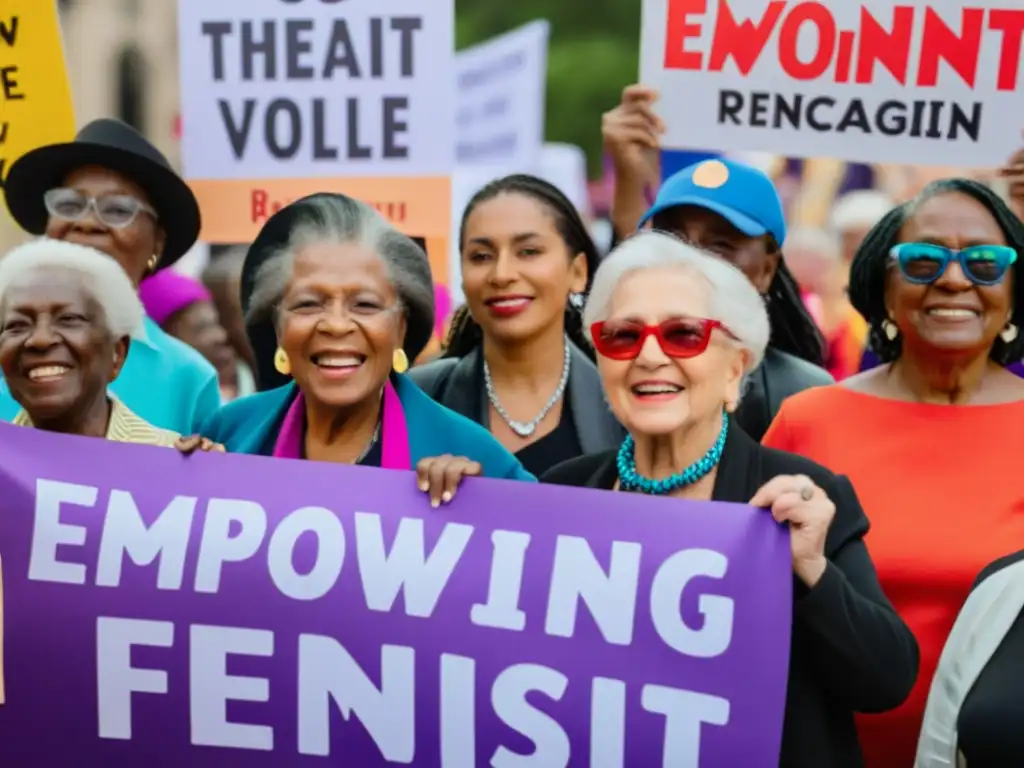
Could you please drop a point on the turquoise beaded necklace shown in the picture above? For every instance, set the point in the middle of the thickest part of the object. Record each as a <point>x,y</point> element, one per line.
<point>630,480</point>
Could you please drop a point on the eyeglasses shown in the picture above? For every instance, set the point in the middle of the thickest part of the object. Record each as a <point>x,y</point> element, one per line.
<point>924,263</point>
<point>679,338</point>
<point>115,211</point>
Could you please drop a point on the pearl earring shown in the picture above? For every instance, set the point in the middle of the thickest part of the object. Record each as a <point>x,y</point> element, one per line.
<point>890,330</point>
<point>1009,334</point>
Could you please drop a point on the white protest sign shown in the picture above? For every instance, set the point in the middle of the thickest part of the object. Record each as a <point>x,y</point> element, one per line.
<point>863,80</point>
<point>282,98</point>
<point>500,91</point>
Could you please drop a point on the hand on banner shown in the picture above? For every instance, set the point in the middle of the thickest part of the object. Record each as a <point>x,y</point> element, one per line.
<point>1013,172</point>
<point>440,476</point>
<point>192,443</point>
<point>631,134</point>
<point>796,500</point>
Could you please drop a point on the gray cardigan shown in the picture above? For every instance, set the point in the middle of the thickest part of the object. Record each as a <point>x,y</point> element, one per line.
<point>452,381</point>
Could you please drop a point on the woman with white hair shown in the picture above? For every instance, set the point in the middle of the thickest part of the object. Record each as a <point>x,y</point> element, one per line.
<point>67,317</point>
<point>676,333</point>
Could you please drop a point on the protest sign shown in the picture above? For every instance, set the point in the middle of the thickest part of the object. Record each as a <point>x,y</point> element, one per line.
<point>35,98</point>
<point>861,80</point>
<point>224,611</point>
<point>500,90</point>
<point>281,99</point>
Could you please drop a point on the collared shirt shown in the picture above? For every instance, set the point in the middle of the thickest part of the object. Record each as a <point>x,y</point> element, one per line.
<point>164,381</point>
<point>124,427</point>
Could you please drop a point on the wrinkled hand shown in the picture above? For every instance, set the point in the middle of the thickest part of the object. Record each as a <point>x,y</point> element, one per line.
<point>192,443</point>
<point>1013,172</point>
<point>440,476</point>
<point>796,500</point>
<point>631,134</point>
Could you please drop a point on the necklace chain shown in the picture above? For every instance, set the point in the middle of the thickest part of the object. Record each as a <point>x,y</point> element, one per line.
<point>527,428</point>
<point>369,445</point>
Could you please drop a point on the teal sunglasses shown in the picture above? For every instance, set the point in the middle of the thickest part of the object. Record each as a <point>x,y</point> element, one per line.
<point>924,263</point>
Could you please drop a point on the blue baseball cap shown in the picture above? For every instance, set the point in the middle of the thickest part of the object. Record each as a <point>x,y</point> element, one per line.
<point>741,194</point>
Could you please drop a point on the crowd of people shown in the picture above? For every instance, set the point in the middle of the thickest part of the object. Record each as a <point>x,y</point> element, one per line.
<point>857,382</point>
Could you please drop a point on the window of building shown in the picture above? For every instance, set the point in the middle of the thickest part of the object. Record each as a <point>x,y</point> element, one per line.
<point>131,89</point>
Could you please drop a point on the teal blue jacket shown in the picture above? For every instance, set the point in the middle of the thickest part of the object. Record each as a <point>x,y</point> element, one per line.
<point>250,425</point>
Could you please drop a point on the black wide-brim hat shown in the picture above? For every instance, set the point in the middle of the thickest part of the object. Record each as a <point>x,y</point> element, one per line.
<point>108,144</point>
<point>274,236</point>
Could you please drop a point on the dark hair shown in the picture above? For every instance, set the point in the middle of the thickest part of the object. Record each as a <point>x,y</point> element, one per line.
<point>464,333</point>
<point>793,330</point>
<point>870,265</point>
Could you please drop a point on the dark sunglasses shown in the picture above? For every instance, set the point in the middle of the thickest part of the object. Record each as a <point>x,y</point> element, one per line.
<point>680,337</point>
<point>924,263</point>
<point>114,211</point>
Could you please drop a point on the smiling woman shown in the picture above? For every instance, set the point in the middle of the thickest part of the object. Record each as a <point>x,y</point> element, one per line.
<point>337,302</point>
<point>67,316</point>
<point>941,422</point>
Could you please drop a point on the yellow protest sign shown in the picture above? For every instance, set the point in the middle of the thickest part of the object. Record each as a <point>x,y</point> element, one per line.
<point>35,97</point>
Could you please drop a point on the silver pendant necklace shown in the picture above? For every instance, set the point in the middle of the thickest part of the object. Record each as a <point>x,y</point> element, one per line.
<point>527,428</point>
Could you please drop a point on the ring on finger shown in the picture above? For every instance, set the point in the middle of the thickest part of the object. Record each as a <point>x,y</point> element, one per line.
<point>807,492</point>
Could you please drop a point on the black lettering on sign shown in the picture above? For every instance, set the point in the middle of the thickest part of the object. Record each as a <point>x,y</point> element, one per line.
<point>9,30</point>
<point>237,135</point>
<point>936,120</point>
<point>261,46</point>
<point>393,126</point>
<point>9,83</point>
<point>293,128</point>
<point>216,30</point>
<point>355,150</point>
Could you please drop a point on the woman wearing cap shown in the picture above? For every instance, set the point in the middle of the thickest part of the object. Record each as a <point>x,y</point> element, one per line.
<point>111,190</point>
<point>734,211</point>
<point>932,438</point>
<point>676,332</point>
<point>517,357</point>
<point>68,317</point>
<point>337,303</point>
<point>184,308</point>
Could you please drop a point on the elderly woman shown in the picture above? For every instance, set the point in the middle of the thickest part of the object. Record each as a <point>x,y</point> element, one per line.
<point>339,302</point>
<point>68,315</point>
<point>110,189</point>
<point>938,425</point>
<point>676,332</point>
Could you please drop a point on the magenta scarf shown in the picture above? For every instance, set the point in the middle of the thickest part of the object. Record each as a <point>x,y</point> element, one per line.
<point>394,433</point>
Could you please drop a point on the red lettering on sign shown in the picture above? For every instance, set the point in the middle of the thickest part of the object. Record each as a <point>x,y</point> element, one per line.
<point>891,49</point>
<point>679,29</point>
<point>940,43</point>
<point>819,15</point>
<point>874,43</point>
<point>745,42</point>
<point>258,206</point>
<point>1011,24</point>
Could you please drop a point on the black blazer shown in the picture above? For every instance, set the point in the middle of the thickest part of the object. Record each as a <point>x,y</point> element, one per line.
<point>779,376</point>
<point>458,384</point>
<point>850,651</point>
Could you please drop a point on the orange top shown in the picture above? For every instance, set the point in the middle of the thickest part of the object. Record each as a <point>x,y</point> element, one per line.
<point>943,489</point>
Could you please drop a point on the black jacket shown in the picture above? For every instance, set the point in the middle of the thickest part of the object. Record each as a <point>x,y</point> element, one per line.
<point>458,384</point>
<point>850,651</point>
<point>779,376</point>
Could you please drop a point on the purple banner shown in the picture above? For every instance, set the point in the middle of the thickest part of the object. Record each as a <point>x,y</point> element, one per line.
<point>241,611</point>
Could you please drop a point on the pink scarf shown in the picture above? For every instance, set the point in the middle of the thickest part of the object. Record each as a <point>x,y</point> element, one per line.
<point>394,433</point>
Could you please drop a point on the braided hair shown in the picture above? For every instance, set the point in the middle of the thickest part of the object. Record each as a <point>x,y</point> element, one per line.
<point>464,333</point>
<point>871,264</point>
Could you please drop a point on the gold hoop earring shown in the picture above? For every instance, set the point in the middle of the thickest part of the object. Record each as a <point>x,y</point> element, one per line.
<point>890,330</point>
<point>1009,334</point>
<point>400,361</point>
<point>281,363</point>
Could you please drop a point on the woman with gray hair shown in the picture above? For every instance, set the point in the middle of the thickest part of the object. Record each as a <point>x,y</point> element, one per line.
<point>67,317</point>
<point>676,332</point>
<point>337,302</point>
